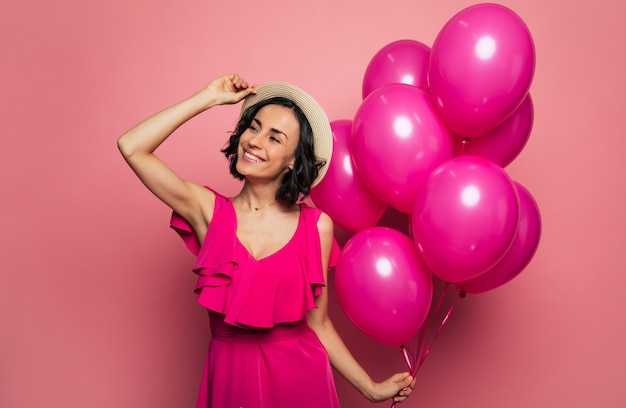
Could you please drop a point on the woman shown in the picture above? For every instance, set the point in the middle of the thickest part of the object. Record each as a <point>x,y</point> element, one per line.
<point>262,255</point>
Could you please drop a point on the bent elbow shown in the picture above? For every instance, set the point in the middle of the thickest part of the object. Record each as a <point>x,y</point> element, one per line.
<point>124,147</point>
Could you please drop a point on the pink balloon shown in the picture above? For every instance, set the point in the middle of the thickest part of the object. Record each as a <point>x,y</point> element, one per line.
<point>383,286</point>
<point>465,218</point>
<point>402,61</point>
<point>505,142</point>
<point>397,140</point>
<point>341,193</point>
<point>519,255</point>
<point>481,66</point>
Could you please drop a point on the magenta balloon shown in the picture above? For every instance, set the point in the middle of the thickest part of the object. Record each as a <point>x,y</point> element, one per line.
<point>519,255</point>
<point>504,143</point>
<point>341,193</point>
<point>383,286</point>
<point>465,218</point>
<point>397,140</point>
<point>481,66</point>
<point>399,62</point>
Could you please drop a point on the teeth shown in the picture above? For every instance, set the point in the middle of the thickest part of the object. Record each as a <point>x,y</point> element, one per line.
<point>252,157</point>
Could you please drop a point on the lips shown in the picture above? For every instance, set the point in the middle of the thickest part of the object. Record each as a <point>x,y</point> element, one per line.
<point>252,157</point>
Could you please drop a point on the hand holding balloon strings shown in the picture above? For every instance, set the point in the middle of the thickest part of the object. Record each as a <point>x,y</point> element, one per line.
<point>415,354</point>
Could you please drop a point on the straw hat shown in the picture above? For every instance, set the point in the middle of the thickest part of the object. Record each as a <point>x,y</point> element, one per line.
<point>322,133</point>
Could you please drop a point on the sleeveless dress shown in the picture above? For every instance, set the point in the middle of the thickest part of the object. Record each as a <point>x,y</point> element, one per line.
<point>262,354</point>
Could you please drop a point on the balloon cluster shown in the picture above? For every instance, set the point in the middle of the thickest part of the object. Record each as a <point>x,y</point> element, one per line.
<point>435,130</point>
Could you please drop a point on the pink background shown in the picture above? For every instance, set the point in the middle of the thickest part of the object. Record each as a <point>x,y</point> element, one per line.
<point>96,303</point>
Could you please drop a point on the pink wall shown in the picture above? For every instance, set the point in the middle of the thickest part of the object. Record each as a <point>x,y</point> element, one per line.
<point>96,307</point>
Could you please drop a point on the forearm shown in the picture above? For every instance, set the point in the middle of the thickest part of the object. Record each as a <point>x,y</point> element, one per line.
<point>343,361</point>
<point>190,200</point>
<point>146,136</point>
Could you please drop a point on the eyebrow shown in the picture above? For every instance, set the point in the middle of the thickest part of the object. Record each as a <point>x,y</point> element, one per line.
<point>274,130</point>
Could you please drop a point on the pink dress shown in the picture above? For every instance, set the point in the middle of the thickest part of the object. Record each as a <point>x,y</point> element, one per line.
<point>262,354</point>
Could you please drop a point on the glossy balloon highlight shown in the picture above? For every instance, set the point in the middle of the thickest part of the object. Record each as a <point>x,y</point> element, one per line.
<point>383,286</point>
<point>519,254</point>
<point>465,218</point>
<point>398,139</point>
<point>481,66</point>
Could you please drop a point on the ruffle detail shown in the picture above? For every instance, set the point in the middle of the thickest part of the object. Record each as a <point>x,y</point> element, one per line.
<point>178,224</point>
<point>279,288</point>
<point>184,230</point>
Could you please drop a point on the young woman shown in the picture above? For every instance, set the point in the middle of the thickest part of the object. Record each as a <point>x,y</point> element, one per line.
<point>263,255</point>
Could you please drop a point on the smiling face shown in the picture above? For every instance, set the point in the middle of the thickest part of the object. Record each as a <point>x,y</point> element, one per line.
<point>267,147</point>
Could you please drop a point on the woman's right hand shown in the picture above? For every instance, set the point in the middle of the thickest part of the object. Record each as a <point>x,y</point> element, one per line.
<point>229,89</point>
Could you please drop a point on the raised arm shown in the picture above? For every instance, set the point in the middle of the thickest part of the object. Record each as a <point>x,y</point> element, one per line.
<point>398,386</point>
<point>138,144</point>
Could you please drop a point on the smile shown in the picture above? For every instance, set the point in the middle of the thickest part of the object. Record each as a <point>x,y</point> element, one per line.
<point>252,157</point>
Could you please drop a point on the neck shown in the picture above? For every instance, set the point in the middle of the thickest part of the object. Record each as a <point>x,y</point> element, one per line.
<point>256,199</point>
<point>260,207</point>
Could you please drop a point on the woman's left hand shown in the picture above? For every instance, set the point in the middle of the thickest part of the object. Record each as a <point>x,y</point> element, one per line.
<point>398,386</point>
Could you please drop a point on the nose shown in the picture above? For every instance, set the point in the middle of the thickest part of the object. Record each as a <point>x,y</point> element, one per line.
<point>256,140</point>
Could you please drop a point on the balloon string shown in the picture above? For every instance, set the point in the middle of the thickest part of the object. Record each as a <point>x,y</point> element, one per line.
<point>410,363</point>
<point>420,348</point>
<point>426,351</point>
<point>411,358</point>
<point>464,142</point>
<point>419,340</point>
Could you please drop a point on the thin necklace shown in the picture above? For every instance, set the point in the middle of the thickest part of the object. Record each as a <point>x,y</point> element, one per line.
<point>257,208</point>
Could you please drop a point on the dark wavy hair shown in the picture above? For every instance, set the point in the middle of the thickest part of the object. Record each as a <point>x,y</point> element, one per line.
<point>296,184</point>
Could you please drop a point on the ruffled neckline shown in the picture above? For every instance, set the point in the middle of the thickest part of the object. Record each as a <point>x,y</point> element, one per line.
<point>276,252</point>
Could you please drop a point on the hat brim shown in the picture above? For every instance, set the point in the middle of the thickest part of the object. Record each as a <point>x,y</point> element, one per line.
<point>322,132</point>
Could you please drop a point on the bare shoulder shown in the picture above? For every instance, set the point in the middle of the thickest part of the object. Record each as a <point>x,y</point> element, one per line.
<point>204,200</point>
<point>325,226</point>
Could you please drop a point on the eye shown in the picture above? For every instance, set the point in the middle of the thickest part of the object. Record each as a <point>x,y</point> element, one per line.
<point>253,128</point>
<point>275,139</point>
